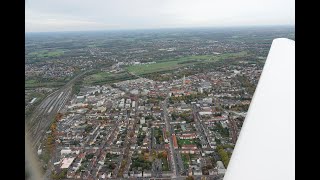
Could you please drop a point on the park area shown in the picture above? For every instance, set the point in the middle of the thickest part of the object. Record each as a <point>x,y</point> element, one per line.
<point>182,142</point>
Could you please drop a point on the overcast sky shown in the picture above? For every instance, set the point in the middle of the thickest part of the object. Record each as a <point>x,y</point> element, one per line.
<point>82,15</point>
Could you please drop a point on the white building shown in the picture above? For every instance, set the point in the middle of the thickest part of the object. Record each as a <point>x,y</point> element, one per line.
<point>65,151</point>
<point>39,151</point>
<point>66,162</point>
<point>221,168</point>
<point>205,113</point>
<point>142,120</point>
<point>135,92</point>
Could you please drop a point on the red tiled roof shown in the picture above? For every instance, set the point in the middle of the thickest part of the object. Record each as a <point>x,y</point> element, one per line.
<point>175,143</point>
<point>189,146</point>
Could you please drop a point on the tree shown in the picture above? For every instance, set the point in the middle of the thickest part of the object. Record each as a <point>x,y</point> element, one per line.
<point>58,117</point>
<point>160,155</point>
<point>131,134</point>
<point>224,156</point>
<point>89,156</point>
<point>108,155</point>
<point>190,178</point>
<point>167,133</point>
<point>112,166</point>
<point>164,154</point>
<point>153,153</point>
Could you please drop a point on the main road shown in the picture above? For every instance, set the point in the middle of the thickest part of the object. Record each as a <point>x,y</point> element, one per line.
<point>168,129</point>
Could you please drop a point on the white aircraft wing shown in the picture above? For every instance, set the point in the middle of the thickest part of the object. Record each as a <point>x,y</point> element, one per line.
<point>265,149</point>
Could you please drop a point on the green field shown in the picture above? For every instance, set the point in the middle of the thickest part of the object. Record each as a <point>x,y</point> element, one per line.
<point>170,64</point>
<point>30,81</point>
<point>186,160</point>
<point>100,78</point>
<point>165,165</point>
<point>35,84</point>
<point>185,142</point>
<point>46,53</point>
<point>97,77</point>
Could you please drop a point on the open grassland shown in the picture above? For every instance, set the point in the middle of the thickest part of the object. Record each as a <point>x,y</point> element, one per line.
<point>170,64</point>
<point>100,78</point>
<point>36,84</point>
<point>46,54</point>
<point>185,142</point>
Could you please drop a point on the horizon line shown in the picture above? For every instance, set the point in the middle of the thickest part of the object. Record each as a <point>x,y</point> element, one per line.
<point>167,28</point>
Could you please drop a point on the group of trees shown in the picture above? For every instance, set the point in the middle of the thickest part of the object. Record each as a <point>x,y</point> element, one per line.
<point>187,98</point>
<point>89,156</point>
<point>140,138</point>
<point>58,117</point>
<point>224,155</point>
<point>216,65</point>
<point>61,175</point>
<point>162,155</point>
<point>197,142</point>
<point>154,100</point>
<point>88,128</point>
<point>158,76</point>
<point>158,135</point>
<point>240,107</point>
<point>80,168</point>
<point>205,169</point>
<point>190,178</point>
<point>223,131</point>
<point>141,162</point>
<point>245,82</point>
<point>186,160</point>
<point>148,117</point>
<point>121,169</point>
<point>50,141</point>
<point>109,155</point>
<point>185,116</point>
<point>77,86</point>
<point>110,165</point>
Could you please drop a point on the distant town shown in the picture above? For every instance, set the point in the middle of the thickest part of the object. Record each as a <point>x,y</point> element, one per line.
<point>167,104</point>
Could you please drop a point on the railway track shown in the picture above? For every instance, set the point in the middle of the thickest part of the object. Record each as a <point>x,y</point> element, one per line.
<point>45,112</point>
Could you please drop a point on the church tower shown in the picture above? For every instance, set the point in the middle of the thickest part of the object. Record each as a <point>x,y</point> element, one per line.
<point>184,80</point>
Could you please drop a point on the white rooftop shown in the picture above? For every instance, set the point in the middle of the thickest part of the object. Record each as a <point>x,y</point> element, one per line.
<point>66,162</point>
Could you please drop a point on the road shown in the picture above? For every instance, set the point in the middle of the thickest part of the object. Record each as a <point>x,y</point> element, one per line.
<point>180,162</point>
<point>199,125</point>
<point>233,129</point>
<point>168,129</point>
<point>157,168</point>
<point>127,143</point>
